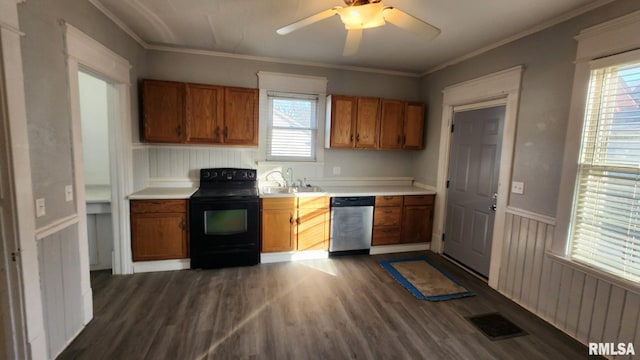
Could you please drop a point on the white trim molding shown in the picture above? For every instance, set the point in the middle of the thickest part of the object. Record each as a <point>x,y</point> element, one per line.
<point>56,226</point>
<point>392,249</point>
<point>161,265</point>
<point>29,301</point>
<point>500,88</point>
<point>266,258</point>
<point>616,37</point>
<point>549,220</point>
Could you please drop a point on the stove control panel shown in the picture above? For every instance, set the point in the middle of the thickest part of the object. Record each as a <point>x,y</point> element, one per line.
<point>227,174</point>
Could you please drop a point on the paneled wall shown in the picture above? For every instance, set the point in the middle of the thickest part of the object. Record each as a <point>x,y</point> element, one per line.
<point>60,284</point>
<point>178,162</point>
<point>584,306</point>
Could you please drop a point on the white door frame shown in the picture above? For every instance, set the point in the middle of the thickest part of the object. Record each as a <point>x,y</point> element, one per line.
<point>84,53</point>
<point>31,336</point>
<point>505,87</point>
<point>12,324</point>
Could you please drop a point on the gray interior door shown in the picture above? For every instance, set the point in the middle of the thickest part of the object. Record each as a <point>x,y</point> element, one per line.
<point>474,163</point>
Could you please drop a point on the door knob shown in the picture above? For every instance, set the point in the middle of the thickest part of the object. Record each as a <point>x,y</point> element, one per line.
<point>493,207</point>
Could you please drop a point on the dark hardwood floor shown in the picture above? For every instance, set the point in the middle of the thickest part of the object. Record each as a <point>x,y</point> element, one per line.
<point>340,308</point>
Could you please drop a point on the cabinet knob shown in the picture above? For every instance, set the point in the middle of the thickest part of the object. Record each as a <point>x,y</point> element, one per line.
<point>357,137</point>
<point>291,220</point>
<point>217,133</point>
<point>351,138</point>
<point>179,130</point>
<point>225,132</point>
<point>399,139</point>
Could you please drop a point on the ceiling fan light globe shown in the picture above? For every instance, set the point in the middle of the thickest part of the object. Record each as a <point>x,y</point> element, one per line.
<point>362,16</point>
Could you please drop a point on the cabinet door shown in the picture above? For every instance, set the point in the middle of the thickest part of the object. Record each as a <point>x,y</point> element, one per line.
<point>163,111</point>
<point>277,230</point>
<point>367,120</point>
<point>205,110</point>
<point>413,126</point>
<point>417,221</point>
<point>240,116</point>
<point>158,236</point>
<point>391,124</point>
<point>313,229</point>
<point>342,122</point>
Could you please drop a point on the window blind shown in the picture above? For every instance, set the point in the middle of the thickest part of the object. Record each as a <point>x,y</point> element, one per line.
<point>606,217</point>
<point>292,127</point>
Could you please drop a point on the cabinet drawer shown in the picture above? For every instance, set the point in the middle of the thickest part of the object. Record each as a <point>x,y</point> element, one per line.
<point>388,200</point>
<point>419,199</point>
<point>158,206</point>
<point>387,216</point>
<point>279,203</point>
<point>313,202</point>
<point>386,235</point>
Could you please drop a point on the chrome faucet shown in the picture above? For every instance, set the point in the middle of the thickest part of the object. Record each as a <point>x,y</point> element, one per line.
<point>290,173</point>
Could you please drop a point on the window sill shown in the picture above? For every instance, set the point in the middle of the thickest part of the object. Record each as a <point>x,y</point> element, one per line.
<point>597,273</point>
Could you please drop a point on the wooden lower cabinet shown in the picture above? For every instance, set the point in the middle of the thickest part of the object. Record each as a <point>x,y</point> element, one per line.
<point>295,224</point>
<point>278,218</point>
<point>159,229</point>
<point>402,219</point>
<point>387,219</point>
<point>417,218</point>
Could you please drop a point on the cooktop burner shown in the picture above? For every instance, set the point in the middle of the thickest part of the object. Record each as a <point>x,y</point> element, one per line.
<point>227,183</point>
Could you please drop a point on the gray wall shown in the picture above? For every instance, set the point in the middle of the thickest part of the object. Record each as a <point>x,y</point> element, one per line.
<point>544,106</point>
<point>47,90</point>
<point>582,305</point>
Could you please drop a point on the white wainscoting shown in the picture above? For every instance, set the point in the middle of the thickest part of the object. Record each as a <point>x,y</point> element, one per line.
<point>186,162</point>
<point>582,305</point>
<point>62,296</point>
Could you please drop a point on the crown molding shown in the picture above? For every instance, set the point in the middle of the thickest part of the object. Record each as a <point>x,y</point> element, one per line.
<point>545,25</point>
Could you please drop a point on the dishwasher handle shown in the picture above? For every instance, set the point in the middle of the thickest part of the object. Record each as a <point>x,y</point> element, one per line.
<point>350,201</point>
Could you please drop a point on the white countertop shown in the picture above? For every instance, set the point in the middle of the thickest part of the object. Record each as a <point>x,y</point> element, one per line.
<point>151,193</point>
<point>376,190</point>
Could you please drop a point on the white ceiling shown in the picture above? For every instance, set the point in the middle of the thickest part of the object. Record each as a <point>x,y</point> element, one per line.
<point>248,27</point>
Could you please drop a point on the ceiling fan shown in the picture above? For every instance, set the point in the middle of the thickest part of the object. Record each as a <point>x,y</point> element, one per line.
<point>366,14</point>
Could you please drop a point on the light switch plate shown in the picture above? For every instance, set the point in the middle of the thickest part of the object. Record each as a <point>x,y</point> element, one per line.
<point>68,193</point>
<point>40,207</point>
<point>336,170</point>
<point>517,187</point>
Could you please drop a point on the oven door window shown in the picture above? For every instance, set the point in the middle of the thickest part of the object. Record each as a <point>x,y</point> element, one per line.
<point>225,222</point>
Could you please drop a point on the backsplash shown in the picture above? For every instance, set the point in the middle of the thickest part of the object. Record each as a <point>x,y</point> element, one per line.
<point>175,162</point>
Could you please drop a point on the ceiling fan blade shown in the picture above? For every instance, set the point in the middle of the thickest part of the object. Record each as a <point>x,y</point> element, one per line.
<point>353,42</point>
<point>409,23</point>
<point>307,21</point>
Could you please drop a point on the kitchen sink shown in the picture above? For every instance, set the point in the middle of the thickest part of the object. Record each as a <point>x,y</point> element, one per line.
<point>290,190</point>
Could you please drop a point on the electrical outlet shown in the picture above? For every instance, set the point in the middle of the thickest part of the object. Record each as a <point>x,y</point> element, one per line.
<point>68,193</point>
<point>336,170</point>
<point>517,187</point>
<point>40,207</point>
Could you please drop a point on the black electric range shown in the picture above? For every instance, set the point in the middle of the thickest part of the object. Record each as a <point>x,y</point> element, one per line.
<point>224,219</point>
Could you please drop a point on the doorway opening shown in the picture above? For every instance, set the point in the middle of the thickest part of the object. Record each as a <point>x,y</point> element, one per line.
<point>94,114</point>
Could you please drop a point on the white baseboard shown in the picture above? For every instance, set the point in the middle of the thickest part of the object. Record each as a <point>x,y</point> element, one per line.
<point>161,265</point>
<point>293,256</point>
<point>388,249</point>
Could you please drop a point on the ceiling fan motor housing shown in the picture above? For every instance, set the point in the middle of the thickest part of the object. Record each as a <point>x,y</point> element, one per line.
<point>360,2</point>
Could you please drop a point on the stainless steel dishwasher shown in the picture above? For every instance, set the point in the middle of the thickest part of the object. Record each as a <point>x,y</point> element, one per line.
<point>351,225</point>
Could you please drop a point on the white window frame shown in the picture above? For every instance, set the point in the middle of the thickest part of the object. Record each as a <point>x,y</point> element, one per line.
<point>602,41</point>
<point>292,83</point>
<point>314,128</point>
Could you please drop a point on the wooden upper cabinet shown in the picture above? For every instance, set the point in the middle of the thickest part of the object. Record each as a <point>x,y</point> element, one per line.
<point>199,114</point>
<point>413,126</point>
<point>342,120</point>
<point>391,124</point>
<point>205,111</point>
<point>367,120</point>
<point>240,116</point>
<point>164,111</point>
